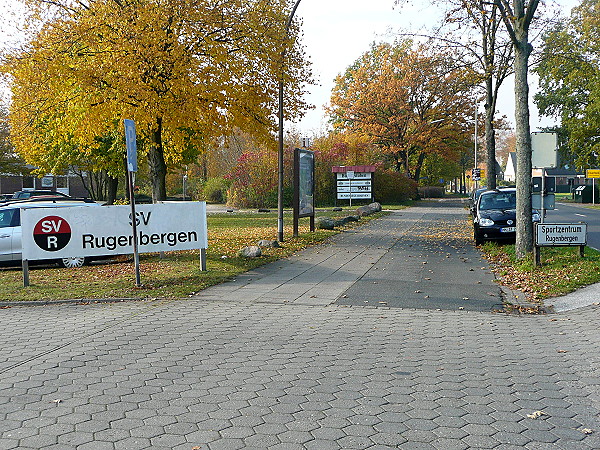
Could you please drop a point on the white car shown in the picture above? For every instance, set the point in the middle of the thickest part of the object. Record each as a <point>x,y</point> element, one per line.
<point>10,228</point>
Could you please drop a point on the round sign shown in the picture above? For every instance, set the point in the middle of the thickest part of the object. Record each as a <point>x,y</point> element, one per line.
<point>52,233</point>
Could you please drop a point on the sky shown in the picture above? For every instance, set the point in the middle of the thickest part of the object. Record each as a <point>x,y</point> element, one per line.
<point>337,32</point>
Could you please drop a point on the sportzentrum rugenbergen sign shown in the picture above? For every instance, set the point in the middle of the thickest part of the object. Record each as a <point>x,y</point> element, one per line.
<point>560,234</point>
<point>49,233</point>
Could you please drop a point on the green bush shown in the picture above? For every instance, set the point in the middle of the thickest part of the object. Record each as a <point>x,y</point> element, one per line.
<point>215,190</point>
<point>393,187</point>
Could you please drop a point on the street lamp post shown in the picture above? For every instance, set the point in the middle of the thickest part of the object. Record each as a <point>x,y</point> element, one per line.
<point>476,108</point>
<point>280,150</point>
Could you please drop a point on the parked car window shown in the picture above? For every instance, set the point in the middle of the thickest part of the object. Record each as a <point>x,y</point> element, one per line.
<point>504,200</point>
<point>9,218</point>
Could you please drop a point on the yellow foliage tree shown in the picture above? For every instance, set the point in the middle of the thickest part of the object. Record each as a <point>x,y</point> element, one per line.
<point>187,71</point>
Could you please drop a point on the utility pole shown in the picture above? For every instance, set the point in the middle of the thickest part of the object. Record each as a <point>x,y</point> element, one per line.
<point>280,149</point>
<point>476,108</point>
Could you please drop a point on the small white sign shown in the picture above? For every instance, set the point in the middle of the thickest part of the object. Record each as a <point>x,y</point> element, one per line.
<point>357,175</point>
<point>350,174</point>
<point>354,183</point>
<point>354,188</point>
<point>357,195</point>
<point>560,234</point>
<point>50,233</point>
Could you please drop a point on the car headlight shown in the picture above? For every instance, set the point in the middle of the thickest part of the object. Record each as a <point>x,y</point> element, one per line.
<point>486,222</point>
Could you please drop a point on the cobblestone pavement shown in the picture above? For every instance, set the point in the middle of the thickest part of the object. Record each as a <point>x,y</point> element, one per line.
<point>207,373</point>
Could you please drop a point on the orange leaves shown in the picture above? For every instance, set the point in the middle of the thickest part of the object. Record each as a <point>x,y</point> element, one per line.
<point>410,100</point>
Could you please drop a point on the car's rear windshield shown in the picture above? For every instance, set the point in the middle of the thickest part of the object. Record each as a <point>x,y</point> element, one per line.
<point>498,200</point>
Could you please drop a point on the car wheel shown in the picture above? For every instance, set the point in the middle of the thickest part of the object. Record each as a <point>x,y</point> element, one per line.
<point>478,239</point>
<point>72,263</point>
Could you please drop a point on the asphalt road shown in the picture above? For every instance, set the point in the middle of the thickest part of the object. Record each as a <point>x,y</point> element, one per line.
<point>567,213</point>
<point>431,264</point>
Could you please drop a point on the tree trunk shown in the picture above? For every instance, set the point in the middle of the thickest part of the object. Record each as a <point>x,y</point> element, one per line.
<point>524,242</point>
<point>157,165</point>
<point>419,165</point>
<point>111,193</point>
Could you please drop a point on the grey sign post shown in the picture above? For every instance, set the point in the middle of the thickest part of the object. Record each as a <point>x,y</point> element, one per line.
<point>131,144</point>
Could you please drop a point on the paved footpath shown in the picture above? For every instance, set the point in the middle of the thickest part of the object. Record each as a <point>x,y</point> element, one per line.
<point>298,361</point>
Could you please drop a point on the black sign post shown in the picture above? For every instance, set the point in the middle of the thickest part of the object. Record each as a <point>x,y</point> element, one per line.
<point>304,187</point>
<point>131,144</point>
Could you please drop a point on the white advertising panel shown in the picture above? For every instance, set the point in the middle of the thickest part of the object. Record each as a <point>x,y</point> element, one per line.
<point>560,234</point>
<point>50,233</point>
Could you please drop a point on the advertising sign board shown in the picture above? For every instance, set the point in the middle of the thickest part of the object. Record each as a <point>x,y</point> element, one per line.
<point>50,233</point>
<point>306,184</point>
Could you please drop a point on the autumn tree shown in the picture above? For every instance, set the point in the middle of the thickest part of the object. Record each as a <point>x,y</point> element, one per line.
<point>410,100</point>
<point>569,73</point>
<point>473,30</point>
<point>188,72</point>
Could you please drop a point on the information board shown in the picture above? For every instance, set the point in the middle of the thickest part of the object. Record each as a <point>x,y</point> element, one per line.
<point>356,186</point>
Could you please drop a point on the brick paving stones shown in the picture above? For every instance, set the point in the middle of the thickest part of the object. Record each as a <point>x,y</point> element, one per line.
<point>227,372</point>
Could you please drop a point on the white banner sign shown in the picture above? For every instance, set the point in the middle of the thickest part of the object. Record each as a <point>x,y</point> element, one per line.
<point>560,234</point>
<point>49,233</point>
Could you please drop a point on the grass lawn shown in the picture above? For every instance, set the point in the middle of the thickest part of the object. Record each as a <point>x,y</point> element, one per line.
<point>562,270</point>
<point>178,273</point>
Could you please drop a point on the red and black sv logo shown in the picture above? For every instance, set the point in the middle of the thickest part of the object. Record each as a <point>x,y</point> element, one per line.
<point>52,233</point>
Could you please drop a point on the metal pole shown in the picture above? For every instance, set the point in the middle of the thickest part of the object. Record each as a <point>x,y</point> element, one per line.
<point>136,254</point>
<point>203,259</point>
<point>25,264</point>
<point>476,107</point>
<point>350,186</point>
<point>280,149</point>
<point>543,195</point>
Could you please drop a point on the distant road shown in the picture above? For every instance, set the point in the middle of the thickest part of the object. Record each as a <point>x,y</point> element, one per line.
<point>567,213</point>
